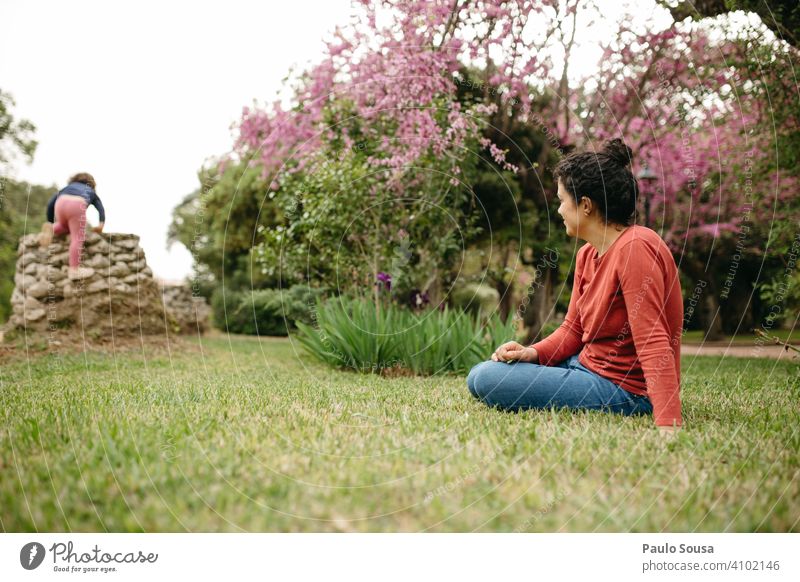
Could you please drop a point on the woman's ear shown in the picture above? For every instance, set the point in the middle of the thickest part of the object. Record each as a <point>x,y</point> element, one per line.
<point>586,205</point>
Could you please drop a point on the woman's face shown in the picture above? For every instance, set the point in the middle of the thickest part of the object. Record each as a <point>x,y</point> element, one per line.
<point>568,210</point>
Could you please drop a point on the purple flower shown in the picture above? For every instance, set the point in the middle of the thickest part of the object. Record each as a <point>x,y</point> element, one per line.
<point>418,300</point>
<point>385,279</point>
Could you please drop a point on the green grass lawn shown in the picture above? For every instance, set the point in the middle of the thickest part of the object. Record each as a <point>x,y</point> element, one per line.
<point>241,434</point>
<point>791,336</point>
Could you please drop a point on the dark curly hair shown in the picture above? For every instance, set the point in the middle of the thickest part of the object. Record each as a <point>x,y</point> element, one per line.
<point>84,178</point>
<point>605,178</point>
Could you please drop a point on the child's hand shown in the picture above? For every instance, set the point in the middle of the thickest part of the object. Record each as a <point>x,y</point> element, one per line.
<point>99,228</point>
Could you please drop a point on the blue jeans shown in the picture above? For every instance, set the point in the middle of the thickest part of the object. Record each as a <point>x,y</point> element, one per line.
<point>522,385</point>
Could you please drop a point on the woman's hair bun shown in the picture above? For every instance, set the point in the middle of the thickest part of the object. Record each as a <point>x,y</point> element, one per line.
<point>618,151</point>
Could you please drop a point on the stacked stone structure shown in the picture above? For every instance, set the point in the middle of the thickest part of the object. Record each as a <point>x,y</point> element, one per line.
<point>121,297</point>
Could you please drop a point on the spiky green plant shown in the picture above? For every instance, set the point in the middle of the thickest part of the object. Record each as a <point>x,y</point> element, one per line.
<point>352,333</point>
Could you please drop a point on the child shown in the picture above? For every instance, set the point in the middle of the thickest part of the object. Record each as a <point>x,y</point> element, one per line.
<point>67,209</point>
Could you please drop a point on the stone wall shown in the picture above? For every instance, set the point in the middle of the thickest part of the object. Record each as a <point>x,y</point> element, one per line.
<point>121,297</point>
<point>191,313</point>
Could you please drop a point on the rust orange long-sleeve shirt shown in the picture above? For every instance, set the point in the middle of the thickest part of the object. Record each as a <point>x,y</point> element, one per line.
<point>626,312</point>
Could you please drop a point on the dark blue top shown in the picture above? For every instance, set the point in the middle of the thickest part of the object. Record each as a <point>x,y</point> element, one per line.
<point>77,189</point>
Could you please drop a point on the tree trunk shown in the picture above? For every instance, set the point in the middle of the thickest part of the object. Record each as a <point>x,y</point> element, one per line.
<point>712,318</point>
<point>541,304</point>
<point>737,312</point>
<point>505,289</point>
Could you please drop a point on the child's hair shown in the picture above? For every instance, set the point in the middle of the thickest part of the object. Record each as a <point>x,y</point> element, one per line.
<point>84,178</point>
<point>605,178</point>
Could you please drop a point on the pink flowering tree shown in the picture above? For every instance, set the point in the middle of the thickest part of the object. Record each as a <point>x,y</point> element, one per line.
<point>687,107</point>
<point>460,102</point>
<point>381,106</point>
<point>413,84</point>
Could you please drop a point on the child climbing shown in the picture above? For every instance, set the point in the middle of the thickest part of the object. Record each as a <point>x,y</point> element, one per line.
<point>66,213</point>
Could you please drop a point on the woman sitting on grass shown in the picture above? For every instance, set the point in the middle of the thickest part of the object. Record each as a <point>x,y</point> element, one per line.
<point>618,349</point>
<point>67,209</point>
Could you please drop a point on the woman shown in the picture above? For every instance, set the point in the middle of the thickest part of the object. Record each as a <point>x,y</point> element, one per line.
<point>618,349</point>
<point>67,209</point>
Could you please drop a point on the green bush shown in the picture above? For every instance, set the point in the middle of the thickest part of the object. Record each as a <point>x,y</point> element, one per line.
<point>22,207</point>
<point>476,298</point>
<point>265,311</point>
<point>353,334</point>
<point>782,296</point>
<point>548,328</point>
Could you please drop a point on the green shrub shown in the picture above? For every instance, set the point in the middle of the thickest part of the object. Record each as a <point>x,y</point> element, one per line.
<point>271,312</point>
<point>548,328</point>
<point>353,334</point>
<point>476,298</point>
<point>782,295</point>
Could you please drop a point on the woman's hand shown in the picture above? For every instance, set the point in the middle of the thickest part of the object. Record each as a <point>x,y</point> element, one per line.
<point>513,351</point>
<point>99,228</point>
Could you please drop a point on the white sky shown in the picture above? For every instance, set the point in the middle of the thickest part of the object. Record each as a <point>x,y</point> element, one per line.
<point>141,95</point>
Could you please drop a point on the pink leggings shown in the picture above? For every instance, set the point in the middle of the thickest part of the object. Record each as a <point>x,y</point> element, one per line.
<point>71,218</point>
